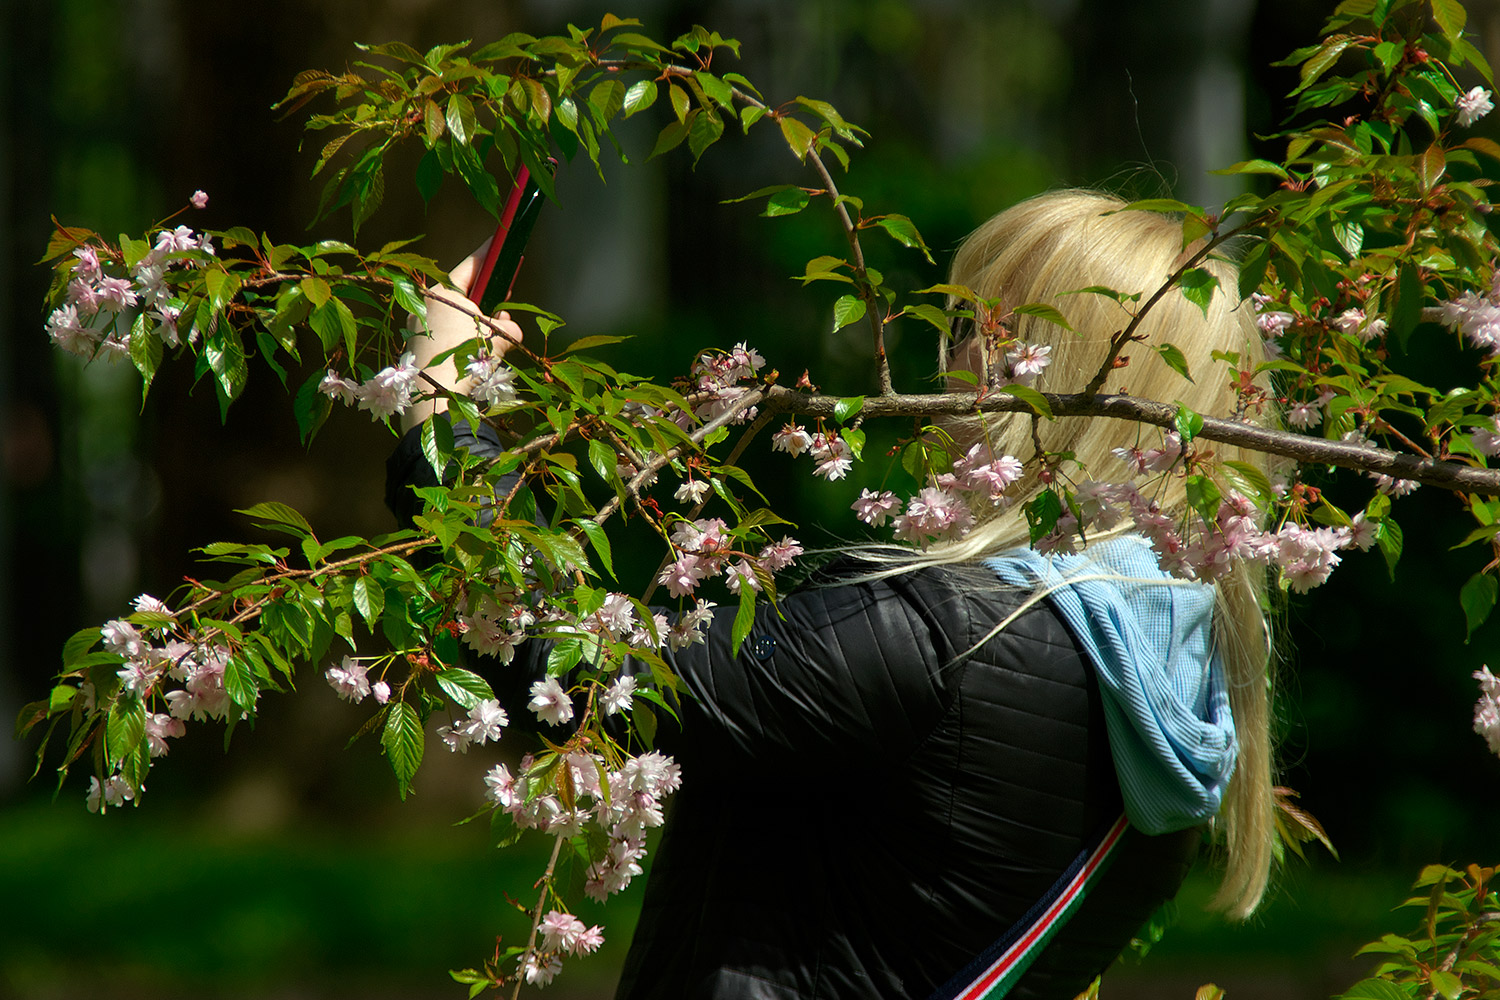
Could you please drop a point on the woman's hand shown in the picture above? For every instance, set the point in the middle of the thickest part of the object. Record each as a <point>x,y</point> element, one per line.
<point>453,320</point>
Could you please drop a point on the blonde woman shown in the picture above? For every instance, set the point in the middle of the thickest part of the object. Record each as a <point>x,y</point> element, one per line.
<point>893,777</point>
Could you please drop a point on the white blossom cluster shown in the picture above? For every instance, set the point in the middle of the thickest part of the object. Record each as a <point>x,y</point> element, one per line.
<point>150,667</point>
<point>98,315</point>
<point>626,804</point>
<point>1487,711</point>
<point>562,933</point>
<point>717,379</point>
<point>1471,106</point>
<point>705,549</point>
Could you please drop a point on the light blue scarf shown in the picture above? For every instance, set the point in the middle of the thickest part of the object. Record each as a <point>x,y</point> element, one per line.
<point>1151,642</point>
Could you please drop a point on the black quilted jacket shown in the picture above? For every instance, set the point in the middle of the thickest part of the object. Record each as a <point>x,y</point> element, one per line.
<point>864,809</point>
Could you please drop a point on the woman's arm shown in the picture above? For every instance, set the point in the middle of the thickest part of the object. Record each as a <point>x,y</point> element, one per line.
<point>451,321</point>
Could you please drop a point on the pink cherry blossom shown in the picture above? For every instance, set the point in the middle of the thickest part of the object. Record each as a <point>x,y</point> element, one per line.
<point>388,392</point>
<point>540,969</point>
<point>1304,414</point>
<point>1026,361</point>
<point>791,439</point>
<point>617,697</point>
<point>875,508</point>
<point>176,240</point>
<point>740,574</point>
<point>549,702</point>
<point>348,679</point>
<point>67,331</point>
<point>503,789</point>
<point>492,381</point>
<point>779,555</point>
<point>833,455</point>
<point>1472,106</point>
<point>123,638</point>
<point>692,491</point>
<point>1275,323</point>
<point>1487,710</point>
<point>83,296</point>
<point>1486,441</point>
<point>116,294</point>
<point>199,199</point>
<point>682,576</point>
<point>159,728</point>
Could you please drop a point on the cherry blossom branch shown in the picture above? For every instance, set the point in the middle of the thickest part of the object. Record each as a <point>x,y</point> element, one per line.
<point>851,233</point>
<point>650,469</point>
<point>1300,447</point>
<point>536,918</point>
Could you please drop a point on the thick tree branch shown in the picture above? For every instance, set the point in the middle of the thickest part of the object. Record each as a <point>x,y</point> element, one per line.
<point>1300,447</point>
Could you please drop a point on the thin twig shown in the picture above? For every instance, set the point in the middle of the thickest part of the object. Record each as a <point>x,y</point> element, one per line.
<point>1121,338</point>
<point>861,276</point>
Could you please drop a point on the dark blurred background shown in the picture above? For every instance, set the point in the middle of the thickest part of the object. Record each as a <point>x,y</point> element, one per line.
<point>286,869</point>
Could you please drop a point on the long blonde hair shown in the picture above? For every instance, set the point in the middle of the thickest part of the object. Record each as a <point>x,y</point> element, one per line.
<point>1038,252</point>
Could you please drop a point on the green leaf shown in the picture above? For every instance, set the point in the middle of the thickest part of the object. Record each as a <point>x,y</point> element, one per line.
<point>1188,424</point>
<point>1204,497</point>
<point>239,682</point>
<point>1254,167</point>
<point>1327,55</point>
<point>125,728</point>
<point>1450,17</point>
<point>1406,307</point>
<point>600,540</point>
<point>640,96</point>
<point>1198,287</point>
<point>787,201</point>
<point>465,687</point>
<point>1430,166</point>
<point>848,309</point>
<point>429,175</point>
<point>848,407</point>
<point>1175,359</point>
<point>279,514</point>
<point>437,444</point>
<point>1478,599</point>
<point>670,138</point>
<point>369,599</point>
<point>604,460</point>
<point>564,656</point>
<point>403,739</point>
<point>1033,399</point>
<point>1249,480</point>
<point>744,618</point>
<point>904,231</point>
<point>1043,312</point>
<point>311,407</point>
<point>1389,540</point>
<point>931,314</point>
<point>1446,983</point>
<point>798,136</point>
<point>704,131</point>
<point>1161,205</point>
<point>1375,989</point>
<point>1042,514</point>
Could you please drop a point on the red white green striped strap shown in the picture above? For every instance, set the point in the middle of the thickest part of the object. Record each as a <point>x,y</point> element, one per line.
<point>996,969</point>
